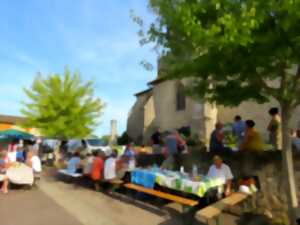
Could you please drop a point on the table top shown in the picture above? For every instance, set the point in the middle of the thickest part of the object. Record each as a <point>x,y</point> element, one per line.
<point>175,180</point>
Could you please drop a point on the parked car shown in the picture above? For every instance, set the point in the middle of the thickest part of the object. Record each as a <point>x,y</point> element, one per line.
<point>88,145</point>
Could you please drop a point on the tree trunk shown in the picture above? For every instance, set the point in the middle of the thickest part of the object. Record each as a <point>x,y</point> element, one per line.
<point>288,167</point>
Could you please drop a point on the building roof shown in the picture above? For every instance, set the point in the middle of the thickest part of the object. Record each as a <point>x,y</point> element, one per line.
<point>11,119</point>
<point>143,92</point>
<point>156,81</point>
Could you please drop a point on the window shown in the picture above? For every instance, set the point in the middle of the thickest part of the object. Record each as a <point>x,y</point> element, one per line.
<point>180,98</point>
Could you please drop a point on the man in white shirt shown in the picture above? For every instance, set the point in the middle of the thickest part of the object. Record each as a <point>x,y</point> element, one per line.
<point>222,171</point>
<point>110,170</point>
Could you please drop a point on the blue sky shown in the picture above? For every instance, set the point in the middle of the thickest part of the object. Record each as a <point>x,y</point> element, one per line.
<point>96,37</point>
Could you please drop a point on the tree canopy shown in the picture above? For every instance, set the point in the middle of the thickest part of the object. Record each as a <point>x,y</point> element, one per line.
<point>233,49</point>
<point>62,106</point>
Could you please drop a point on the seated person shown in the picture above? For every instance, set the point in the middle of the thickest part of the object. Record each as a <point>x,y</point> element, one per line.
<point>252,141</point>
<point>128,151</point>
<point>74,164</point>
<point>97,169</point>
<point>110,168</point>
<point>4,164</point>
<point>295,140</point>
<point>222,171</point>
<point>88,164</point>
<point>34,161</point>
<point>217,138</point>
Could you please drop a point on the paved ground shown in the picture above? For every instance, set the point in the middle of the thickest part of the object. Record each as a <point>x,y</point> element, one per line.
<point>58,203</point>
<point>32,207</point>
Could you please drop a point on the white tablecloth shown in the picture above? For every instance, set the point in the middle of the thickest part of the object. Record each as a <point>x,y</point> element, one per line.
<point>20,174</point>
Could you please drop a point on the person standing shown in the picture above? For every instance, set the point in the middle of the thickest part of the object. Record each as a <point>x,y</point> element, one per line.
<point>217,139</point>
<point>156,142</point>
<point>172,161</point>
<point>238,129</point>
<point>274,129</point>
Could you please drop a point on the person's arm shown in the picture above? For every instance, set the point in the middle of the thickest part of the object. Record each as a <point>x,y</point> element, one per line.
<point>229,177</point>
<point>228,187</point>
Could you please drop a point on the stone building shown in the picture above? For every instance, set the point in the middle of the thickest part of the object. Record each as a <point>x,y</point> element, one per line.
<point>165,106</point>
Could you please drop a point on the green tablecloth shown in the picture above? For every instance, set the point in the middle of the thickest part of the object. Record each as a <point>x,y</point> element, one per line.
<point>176,181</point>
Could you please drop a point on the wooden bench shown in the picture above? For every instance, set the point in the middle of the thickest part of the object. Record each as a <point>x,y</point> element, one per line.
<point>181,200</point>
<point>67,173</point>
<point>213,212</point>
<point>74,176</point>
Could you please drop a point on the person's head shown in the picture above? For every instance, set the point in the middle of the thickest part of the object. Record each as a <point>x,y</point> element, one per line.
<point>219,126</point>
<point>250,124</point>
<point>293,133</point>
<point>217,161</point>
<point>237,118</point>
<point>175,132</point>
<point>274,111</point>
<point>128,147</point>
<point>114,153</point>
<point>76,154</point>
<point>95,153</point>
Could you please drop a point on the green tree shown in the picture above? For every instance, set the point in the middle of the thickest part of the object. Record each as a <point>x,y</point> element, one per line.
<point>234,51</point>
<point>62,106</point>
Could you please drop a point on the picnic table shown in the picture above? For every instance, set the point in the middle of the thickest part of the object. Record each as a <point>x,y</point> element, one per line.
<point>175,180</point>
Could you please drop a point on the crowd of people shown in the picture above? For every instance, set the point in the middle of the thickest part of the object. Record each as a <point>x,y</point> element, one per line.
<point>14,154</point>
<point>247,138</point>
<point>100,167</point>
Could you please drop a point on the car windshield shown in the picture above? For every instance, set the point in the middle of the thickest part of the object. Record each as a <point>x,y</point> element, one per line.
<point>95,142</point>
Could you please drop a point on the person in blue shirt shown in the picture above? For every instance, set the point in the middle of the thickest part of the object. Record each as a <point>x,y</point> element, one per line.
<point>74,163</point>
<point>238,129</point>
<point>20,154</point>
<point>128,152</point>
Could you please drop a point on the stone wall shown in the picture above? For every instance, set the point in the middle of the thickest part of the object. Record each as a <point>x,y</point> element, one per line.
<point>135,121</point>
<point>271,199</point>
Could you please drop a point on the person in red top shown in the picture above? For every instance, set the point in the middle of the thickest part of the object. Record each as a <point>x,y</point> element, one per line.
<point>97,169</point>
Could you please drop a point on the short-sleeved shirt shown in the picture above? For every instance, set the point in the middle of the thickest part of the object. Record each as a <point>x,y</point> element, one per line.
<point>224,172</point>
<point>72,164</point>
<point>36,164</point>
<point>110,169</point>
<point>97,168</point>
<point>238,129</point>
<point>171,144</point>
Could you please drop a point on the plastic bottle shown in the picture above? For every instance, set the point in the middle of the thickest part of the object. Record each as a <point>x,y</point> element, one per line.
<point>195,171</point>
<point>182,169</point>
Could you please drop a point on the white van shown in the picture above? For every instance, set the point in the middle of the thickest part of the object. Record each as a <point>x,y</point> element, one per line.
<point>89,145</point>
